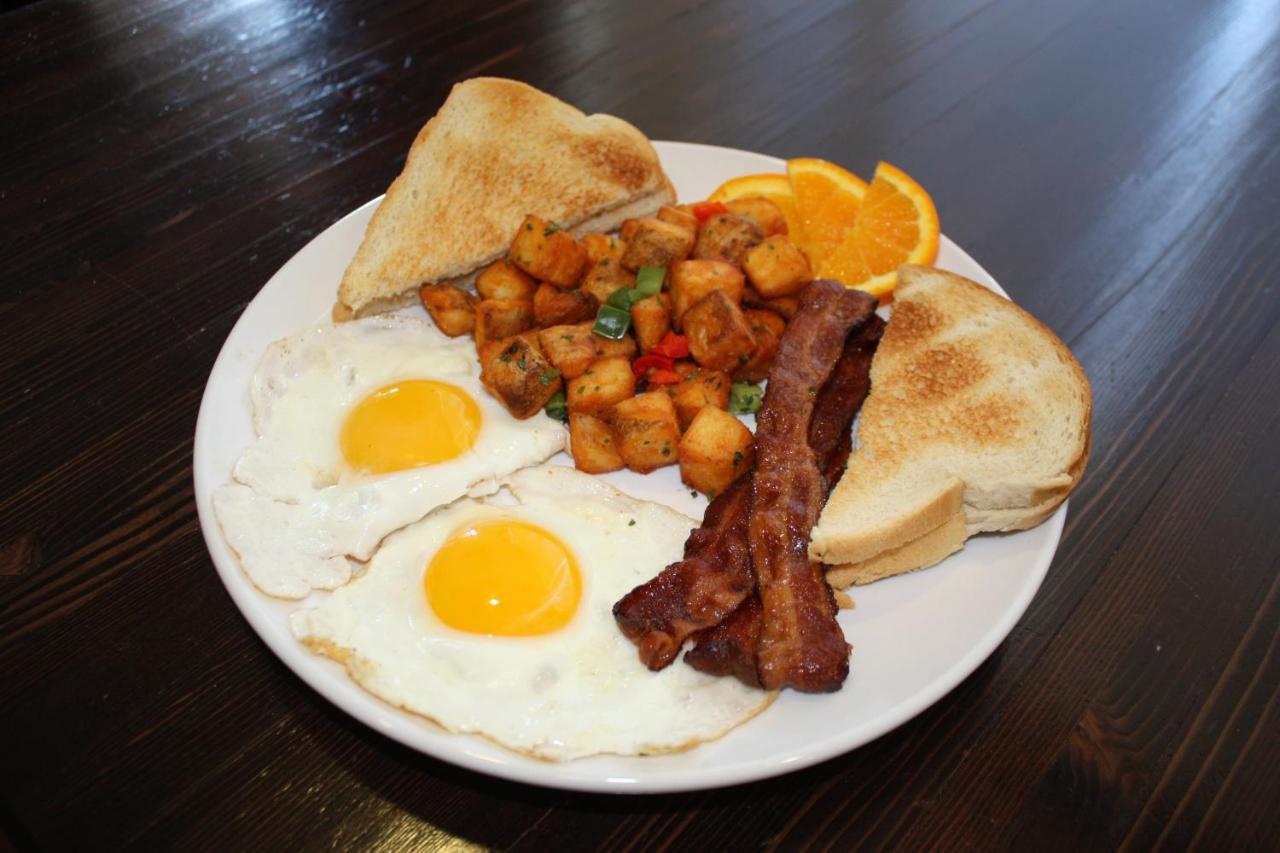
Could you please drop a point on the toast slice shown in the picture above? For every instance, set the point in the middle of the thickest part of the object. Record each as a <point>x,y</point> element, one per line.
<point>497,150</point>
<point>977,414</point>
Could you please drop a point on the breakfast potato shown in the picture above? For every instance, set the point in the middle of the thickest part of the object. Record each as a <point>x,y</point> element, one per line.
<point>452,309</point>
<point>606,348</point>
<point>765,214</point>
<point>599,246</point>
<point>714,450</point>
<point>502,318</point>
<point>697,389</point>
<point>646,431</point>
<point>605,277</point>
<point>504,280</point>
<point>767,328</point>
<point>692,280</point>
<point>677,216</point>
<point>777,267</point>
<point>570,348</point>
<point>592,445</point>
<point>718,334</point>
<point>784,306</point>
<point>603,383</point>
<point>725,237</point>
<point>655,243</point>
<point>628,230</point>
<point>555,307</point>
<point>518,374</point>
<point>651,319</point>
<point>548,252</point>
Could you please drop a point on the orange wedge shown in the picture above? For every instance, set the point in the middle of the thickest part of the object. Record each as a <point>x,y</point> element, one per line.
<point>827,201</point>
<point>896,224</point>
<point>776,188</point>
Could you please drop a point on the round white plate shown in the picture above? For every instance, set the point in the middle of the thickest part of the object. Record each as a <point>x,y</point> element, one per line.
<point>914,637</point>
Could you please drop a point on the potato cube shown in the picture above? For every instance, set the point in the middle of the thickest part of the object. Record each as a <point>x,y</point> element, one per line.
<point>765,214</point>
<point>592,445</point>
<point>504,280</point>
<point>697,389</point>
<point>603,383</point>
<point>777,267</point>
<point>570,348</point>
<point>646,431</point>
<point>767,327</point>
<point>651,319</point>
<point>784,306</point>
<point>555,307</point>
<point>678,216</point>
<point>725,237</point>
<point>452,309</point>
<point>502,318</point>
<point>655,243</point>
<point>548,252</point>
<point>606,348</point>
<point>719,336</point>
<point>518,374</point>
<point>692,280</point>
<point>606,276</point>
<point>628,230</point>
<point>715,449</point>
<point>599,246</point>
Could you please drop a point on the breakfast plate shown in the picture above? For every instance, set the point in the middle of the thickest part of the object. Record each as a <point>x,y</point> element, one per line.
<point>914,637</point>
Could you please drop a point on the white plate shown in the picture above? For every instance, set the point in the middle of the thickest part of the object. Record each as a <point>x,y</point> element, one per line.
<point>915,637</point>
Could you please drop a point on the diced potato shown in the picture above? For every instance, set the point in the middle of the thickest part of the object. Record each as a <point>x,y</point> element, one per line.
<point>764,213</point>
<point>599,246</point>
<point>605,348</point>
<point>777,267</point>
<point>603,383</point>
<point>548,252</point>
<point>767,327</point>
<point>504,280</point>
<point>714,450</point>
<point>518,374</point>
<point>555,307</point>
<point>719,336</point>
<point>502,318</point>
<point>677,216</point>
<point>697,389</point>
<point>606,276</point>
<point>592,445</point>
<point>655,243</point>
<point>725,237</point>
<point>651,319</point>
<point>784,306</point>
<point>452,309</point>
<point>628,230</point>
<point>646,431</point>
<point>570,348</point>
<point>692,280</point>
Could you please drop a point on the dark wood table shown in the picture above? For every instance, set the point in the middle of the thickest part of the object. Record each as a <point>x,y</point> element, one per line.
<point>1113,164</point>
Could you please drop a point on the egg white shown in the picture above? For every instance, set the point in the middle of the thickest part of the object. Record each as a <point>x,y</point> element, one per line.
<point>577,691</point>
<point>295,513</point>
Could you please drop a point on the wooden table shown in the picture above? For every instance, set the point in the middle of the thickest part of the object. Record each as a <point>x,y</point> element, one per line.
<point>1113,164</point>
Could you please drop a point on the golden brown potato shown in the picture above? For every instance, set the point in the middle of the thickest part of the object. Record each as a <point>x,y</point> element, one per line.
<point>628,230</point>
<point>767,328</point>
<point>697,389</point>
<point>651,320</point>
<point>677,216</point>
<point>714,450</point>
<point>452,309</point>
<point>502,318</point>
<point>570,348</point>
<point>518,374</point>
<point>548,252</point>
<point>504,280</point>
<point>719,336</point>
<point>599,246</point>
<point>606,276</point>
<point>725,237</point>
<point>555,307</point>
<point>764,213</point>
<point>603,383</point>
<point>605,348</point>
<point>784,306</point>
<point>655,243</point>
<point>777,267</point>
<point>592,445</point>
<point>645,431</point>
<point>692,280</point>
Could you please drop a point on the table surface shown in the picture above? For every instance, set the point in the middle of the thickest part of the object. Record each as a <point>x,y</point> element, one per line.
<point>1114,165</point>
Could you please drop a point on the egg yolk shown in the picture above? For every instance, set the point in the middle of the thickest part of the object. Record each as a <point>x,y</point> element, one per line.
<point>503,577</point>
<point>411,423</point>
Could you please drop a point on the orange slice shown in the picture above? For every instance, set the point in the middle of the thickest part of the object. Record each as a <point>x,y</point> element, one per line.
<point>776,188</point>
<point>827,201</point>
<point>896,224</point>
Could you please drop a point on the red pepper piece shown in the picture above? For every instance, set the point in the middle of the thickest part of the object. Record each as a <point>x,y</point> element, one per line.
<point>664,377</point>
<point>672,346</point>
<point>652,361</point>
<point>704,210</point>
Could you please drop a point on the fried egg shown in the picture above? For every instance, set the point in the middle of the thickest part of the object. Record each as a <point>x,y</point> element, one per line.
<point>362,428</point>
<point>497,620</point>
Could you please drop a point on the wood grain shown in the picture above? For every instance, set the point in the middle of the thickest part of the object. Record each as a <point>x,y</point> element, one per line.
<point>1114,165</point>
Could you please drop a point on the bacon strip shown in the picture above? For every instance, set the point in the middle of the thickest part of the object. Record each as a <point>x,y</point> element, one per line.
<point>801,645</point>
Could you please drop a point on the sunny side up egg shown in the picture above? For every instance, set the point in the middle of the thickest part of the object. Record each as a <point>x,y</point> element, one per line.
<point>497,620</point>
<point>363,427</point>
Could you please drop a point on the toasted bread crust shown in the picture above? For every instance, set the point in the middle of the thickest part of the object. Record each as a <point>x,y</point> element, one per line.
<point>923,551</point>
